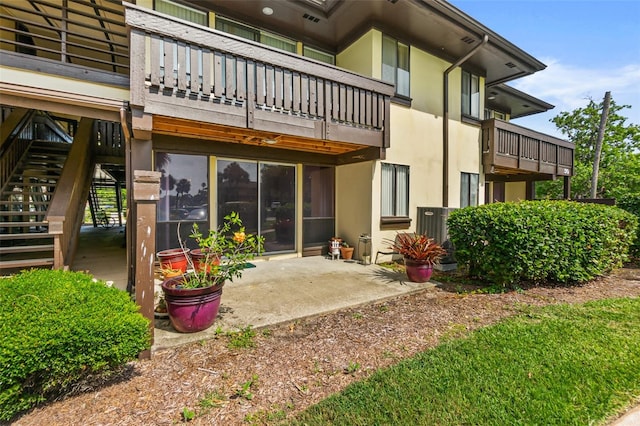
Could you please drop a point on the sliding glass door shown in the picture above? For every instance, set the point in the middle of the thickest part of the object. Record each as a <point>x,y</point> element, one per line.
<point>263,194</point>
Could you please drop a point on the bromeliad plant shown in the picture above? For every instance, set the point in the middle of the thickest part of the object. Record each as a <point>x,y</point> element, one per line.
<point>417,247</point>
<point>225,252</point>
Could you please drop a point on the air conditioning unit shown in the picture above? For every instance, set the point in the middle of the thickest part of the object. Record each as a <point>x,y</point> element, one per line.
<point>432,222</point>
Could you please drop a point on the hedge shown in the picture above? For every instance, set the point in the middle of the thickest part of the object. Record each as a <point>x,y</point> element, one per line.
<point>631,203</point>
<point>57,328</point>
<point>559,241</point>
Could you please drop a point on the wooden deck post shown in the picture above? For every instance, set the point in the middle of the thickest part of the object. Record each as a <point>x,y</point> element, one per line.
<point>146,190</point>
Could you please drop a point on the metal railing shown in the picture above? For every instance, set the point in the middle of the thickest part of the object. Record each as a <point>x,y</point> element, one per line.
<point>81,32</point>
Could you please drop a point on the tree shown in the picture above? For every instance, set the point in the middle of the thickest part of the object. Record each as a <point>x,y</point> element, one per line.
<point>620,158</point>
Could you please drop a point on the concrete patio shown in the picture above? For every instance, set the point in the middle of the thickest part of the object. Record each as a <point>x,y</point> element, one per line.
<point>275,291</point>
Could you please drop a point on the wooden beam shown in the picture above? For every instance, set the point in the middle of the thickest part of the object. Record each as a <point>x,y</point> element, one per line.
<point>146,191</point>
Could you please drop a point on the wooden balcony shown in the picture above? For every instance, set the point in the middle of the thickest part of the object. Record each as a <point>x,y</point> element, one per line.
<point>508,149</point>
<point>206,84</point>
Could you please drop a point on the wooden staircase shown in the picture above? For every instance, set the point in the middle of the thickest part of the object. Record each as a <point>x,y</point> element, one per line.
<point>24,202</point>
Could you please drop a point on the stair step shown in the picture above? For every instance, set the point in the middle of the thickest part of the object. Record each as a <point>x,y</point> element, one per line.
<point>26,193</point>
<point>20,202</point>
<point>47,184</point>
<point>25,263</point>
<point>26,249</point>
<point>17,213</point>
<point>25,236</point>
<point>22,224</point>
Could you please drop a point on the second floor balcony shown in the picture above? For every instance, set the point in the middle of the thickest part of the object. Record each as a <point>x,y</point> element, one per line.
<point>508,149</point>
<point>245,92</point>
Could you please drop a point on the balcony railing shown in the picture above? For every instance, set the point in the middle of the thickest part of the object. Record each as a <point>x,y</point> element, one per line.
<point>511,149</point>
<point>193,72</point>
<point>67,38</point>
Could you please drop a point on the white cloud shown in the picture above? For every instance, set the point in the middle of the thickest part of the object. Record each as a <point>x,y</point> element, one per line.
<point>569,87</point>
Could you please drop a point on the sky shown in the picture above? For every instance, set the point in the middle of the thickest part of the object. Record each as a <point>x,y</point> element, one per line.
<point>589,47</point>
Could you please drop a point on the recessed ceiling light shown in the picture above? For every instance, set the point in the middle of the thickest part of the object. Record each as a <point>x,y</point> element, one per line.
<point>270,141</point>
<point>267,11</point>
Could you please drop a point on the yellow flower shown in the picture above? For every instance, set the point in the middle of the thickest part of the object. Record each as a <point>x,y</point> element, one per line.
<point>239,237</point>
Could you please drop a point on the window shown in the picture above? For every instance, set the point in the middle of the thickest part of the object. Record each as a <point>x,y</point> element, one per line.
<point>250,33</point>
<point>395,64</point>
<point>318,55</point>
<point>180,11</point>
<point>470,95</point>
<point>468,189</point>
<point>395,190</point>
<point>184,196</point>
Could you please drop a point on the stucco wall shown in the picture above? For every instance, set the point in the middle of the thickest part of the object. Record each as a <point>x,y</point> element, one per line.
<point>416,141</point>
<point>515,191</point>
<point>354,199</point>
<point>359,56</point>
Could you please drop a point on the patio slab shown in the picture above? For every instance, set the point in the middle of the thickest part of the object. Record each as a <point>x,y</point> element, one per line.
<point>283,290</point>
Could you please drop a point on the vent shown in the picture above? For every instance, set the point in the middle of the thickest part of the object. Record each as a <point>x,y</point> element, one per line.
<point>510,64</point>
<point>311,18</point>
<point>468,40</point>
<point>392,1</point>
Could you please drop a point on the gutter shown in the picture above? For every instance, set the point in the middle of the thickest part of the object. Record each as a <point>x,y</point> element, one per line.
<point>445,121</point>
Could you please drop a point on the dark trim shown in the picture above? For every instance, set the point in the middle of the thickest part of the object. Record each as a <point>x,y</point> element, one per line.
<point>183,145</point>
<point>395,222</point>
<point>401,100</point>
<point>48,66</point>
<point>470,120</point>
<point>533,177</point>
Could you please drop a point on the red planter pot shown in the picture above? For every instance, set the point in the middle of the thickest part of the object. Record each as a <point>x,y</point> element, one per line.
<point>199,257</point>
<point>174,259</point>
<point>191,309</point>
<point>418,272</point>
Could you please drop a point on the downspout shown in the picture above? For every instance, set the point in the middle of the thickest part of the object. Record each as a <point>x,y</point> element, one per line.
<point>445,121</point>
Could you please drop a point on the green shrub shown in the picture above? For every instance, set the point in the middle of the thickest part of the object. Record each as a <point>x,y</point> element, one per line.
<point>558,241</point>
<point>58,327</point>
<point>631,203</point>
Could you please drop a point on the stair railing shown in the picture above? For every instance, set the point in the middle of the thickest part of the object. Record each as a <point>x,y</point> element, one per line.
<point>16,138</point>
<point>66,211</point>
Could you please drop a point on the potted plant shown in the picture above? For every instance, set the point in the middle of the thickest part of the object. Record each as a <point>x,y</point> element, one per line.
<point>175,258</point>
<point>346,251</point>
<point>193,299</point>
<point>420,254</point>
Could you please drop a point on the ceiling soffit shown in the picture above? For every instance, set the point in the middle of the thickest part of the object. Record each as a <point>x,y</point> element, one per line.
<point>432,25</point>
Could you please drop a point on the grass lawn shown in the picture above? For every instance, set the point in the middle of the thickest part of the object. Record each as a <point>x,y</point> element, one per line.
<point>558,365</point>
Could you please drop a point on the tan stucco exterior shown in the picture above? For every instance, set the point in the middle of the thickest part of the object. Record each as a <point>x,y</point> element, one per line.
<point>416,141</point>
<point>515,191</point>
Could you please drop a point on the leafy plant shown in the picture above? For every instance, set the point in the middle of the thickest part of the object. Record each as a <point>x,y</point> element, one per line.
<point>242,339</point>
<point>226,250</point>
<point>59,328</point>
<point>188,414</point>
<point>417,247</point>
<point>245,390</point>
<point>560,241</point>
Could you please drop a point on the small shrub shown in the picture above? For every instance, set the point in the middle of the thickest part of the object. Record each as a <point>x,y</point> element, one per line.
<point>59,327</point>
<point>559,241</point>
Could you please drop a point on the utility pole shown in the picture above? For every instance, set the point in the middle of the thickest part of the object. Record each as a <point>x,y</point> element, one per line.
<point>598,150</point>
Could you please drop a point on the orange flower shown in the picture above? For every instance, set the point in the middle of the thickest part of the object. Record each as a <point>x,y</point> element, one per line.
<point>239,237</point>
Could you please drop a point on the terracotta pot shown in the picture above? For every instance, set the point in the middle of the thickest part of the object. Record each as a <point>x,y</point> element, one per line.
<point>346,252</point>
<point>199,257</point>
<point>191,309</point>
<point>174,259</point>
<point>418,272</point>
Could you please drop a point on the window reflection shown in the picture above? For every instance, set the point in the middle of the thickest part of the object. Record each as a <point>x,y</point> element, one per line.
<point>184,196</point>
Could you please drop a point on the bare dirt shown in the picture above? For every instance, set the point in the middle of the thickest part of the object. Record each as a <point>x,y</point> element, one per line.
<point>295,365</point>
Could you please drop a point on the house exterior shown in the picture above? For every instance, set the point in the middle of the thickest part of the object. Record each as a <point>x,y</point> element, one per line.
<point>311,118</point>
